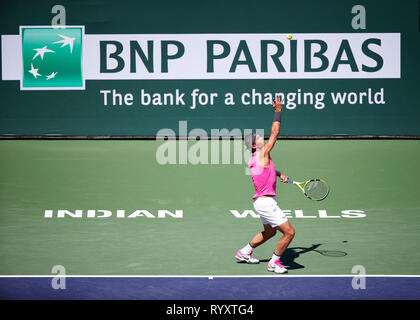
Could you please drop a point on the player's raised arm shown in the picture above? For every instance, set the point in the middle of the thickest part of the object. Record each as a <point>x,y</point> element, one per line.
<point>275,127</point>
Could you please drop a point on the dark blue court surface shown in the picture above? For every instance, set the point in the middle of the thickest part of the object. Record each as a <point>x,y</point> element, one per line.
<point>204,288</point>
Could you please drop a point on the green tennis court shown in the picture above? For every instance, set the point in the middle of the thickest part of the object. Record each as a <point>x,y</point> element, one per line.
<point>371,214</point>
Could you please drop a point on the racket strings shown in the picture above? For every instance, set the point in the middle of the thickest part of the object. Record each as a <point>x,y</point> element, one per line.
<point>316,189</point>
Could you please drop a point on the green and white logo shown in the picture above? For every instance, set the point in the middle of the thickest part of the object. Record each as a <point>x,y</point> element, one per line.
<point>52,58</point>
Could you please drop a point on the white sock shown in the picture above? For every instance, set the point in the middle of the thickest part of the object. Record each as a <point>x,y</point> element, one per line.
<point>275,257</point>
<point>247,249</point>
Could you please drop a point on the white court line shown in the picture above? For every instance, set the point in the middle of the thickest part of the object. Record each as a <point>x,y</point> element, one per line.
<point>212,276</point>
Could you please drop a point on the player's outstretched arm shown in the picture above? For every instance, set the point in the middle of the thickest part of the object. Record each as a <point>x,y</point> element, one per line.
<point>282,176</point>
<point>275,127</point>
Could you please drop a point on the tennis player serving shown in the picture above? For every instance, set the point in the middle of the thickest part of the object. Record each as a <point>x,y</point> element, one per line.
<point>264,177</point>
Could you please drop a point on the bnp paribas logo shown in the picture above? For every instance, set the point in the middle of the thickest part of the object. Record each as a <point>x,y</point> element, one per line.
<point>52,58</point>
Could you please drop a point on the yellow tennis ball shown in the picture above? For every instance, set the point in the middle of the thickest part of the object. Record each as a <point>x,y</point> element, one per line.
<point>289,36</point>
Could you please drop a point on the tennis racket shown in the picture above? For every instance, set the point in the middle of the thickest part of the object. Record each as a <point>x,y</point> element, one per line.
<point>314,189</point>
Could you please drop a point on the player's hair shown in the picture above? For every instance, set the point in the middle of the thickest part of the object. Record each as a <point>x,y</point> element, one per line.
<point>249,141</point>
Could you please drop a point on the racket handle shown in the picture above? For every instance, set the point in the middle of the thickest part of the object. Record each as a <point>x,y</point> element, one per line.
<point>290,181</point>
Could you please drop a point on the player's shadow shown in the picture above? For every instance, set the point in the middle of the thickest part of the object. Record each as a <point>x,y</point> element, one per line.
<point>291,254</point>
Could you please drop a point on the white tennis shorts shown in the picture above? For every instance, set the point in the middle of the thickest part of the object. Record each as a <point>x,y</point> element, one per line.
<point>269,211</point>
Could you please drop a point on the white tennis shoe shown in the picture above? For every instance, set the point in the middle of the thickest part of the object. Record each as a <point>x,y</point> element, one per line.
<point>276,266</point>
<point>248,258</point>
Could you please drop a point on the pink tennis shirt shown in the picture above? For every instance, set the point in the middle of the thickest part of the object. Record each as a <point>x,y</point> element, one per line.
<point>264,179</point>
